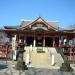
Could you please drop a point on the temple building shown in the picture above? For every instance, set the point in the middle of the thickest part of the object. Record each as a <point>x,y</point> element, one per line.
<point>40,33</point>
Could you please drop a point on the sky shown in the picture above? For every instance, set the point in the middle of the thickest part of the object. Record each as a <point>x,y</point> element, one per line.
<point>13,11</point>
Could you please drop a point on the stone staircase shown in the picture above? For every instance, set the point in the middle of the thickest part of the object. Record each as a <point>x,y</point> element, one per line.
<point>40,59</point>
<point>44,59</point>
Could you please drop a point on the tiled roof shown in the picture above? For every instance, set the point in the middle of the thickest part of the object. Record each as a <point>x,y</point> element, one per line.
<point>11,27</point>
<point>54,24</point>
<point>25,23</point>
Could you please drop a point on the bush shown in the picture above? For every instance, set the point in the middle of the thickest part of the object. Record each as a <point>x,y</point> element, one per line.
<point>66,67</point>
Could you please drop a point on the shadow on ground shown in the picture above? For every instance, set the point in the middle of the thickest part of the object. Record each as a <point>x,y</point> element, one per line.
<point>3,66</point>
<point>44,71</point>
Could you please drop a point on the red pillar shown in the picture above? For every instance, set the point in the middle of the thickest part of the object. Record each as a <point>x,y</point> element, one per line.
<point>59,42</point>
<point>25,40</point>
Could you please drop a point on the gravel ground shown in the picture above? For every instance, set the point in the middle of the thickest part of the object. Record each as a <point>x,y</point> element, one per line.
<point>7,69</point>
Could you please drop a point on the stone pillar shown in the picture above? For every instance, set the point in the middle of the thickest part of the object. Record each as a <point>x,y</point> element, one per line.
<point>44,42</point>
<point>14,47</point>
<point>34,42</point>
<point>53,62</point>
<point>53,42</point>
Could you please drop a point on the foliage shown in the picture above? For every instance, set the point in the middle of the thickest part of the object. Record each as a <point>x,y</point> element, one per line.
<point>66,67</point>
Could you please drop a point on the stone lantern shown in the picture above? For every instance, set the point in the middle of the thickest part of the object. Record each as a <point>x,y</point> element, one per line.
<point>66,65</point>
<point>20,63</point>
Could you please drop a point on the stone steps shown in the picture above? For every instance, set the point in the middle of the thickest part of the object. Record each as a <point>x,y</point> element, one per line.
<point>44,59</point>
<point>40,59</point>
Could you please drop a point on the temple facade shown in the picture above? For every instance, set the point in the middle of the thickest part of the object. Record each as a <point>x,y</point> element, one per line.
<point>39,33</point>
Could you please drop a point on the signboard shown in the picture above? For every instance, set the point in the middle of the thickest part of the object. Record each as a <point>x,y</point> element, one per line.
<point>38,26</point>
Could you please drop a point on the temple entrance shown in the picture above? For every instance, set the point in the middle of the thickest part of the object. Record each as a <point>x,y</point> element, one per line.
<point>39,41</point>
<point>30,40</point>
<point>56,42</point>
<point>48,42</point>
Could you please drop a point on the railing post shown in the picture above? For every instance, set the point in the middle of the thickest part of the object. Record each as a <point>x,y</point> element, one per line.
<point>53,62</point>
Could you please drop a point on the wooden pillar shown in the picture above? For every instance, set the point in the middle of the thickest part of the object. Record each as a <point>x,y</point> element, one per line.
<point>25,39</point>
<point>62,40</point>
<point>34,42</point>
<point>19,37</point>
<point>59,42</point>
<point>53,42</point>
<point>44,41</point>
